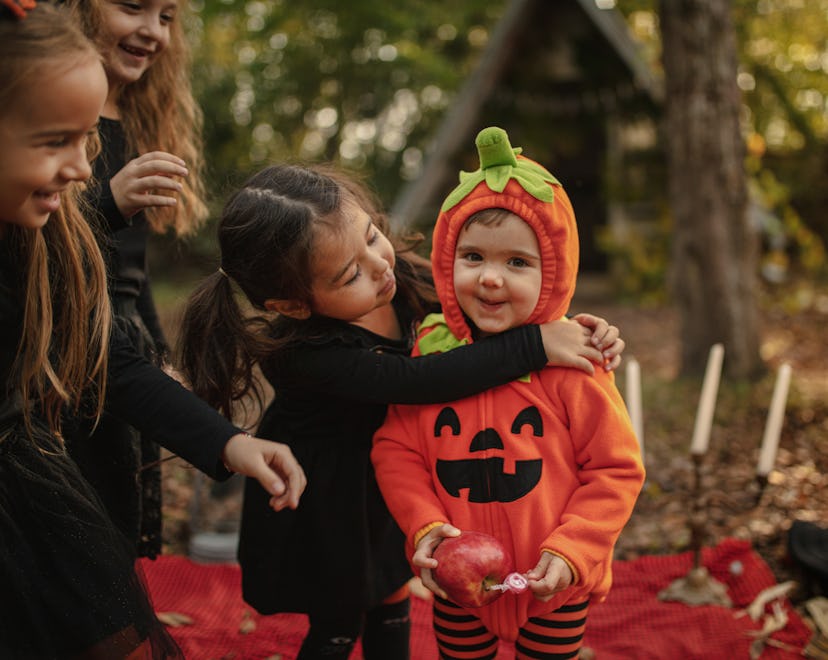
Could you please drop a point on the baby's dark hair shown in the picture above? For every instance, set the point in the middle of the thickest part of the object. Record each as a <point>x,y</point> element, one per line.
<point>266,238</point>
<point>491,217</point>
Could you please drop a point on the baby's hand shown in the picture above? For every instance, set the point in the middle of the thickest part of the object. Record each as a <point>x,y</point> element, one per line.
<point>604,337</point>
<point>423,555</point>
<point>551,575</point>
<point>134,186</point>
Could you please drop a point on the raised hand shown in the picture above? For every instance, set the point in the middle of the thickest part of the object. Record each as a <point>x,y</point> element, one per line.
<point>149,180</point>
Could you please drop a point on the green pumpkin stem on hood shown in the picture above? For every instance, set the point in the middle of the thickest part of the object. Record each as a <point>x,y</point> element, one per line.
<point>498,164</point>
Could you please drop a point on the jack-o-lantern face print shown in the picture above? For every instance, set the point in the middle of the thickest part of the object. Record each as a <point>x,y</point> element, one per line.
<point>484,477</point>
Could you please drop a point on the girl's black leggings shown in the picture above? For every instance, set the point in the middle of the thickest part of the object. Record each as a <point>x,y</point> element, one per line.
<point>385,632</point>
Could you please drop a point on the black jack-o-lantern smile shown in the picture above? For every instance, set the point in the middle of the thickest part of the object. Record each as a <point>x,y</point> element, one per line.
<point>484,477</point>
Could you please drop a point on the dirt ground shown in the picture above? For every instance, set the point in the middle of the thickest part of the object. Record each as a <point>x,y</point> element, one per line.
<point>792,331</point>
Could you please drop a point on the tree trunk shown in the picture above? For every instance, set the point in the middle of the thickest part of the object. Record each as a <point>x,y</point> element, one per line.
<point>715,250</point>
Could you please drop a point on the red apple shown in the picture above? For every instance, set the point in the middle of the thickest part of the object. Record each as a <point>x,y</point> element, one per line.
<point>469,565</point>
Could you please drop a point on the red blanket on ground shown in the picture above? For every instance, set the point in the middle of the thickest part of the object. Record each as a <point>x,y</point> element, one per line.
<point>631,623</point>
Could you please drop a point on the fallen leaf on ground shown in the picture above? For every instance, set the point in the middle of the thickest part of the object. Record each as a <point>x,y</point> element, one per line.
<point>248,623</point>
<point>818,609</point>
<point>771,623</point>
<point>757,607</point>
<point>174,619</point>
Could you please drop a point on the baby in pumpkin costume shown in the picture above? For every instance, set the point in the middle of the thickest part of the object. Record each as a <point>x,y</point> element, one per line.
<point>548,464</point>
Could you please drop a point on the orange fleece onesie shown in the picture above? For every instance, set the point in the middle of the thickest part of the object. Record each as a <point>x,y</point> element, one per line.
<point>548,462</point>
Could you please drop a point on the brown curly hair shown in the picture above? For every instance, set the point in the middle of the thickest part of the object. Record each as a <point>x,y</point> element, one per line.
<point>159,112</point>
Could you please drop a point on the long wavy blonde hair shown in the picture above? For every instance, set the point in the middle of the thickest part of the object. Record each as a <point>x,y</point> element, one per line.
<point>159,112</point>
<point>66,315</point>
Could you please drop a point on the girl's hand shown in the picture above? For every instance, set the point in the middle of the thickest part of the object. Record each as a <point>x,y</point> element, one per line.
<point>175,374</point>
<point>551,575</point>
<point>569,344</point>
<point>271,463</point>
<point>423,555</point>
<point>605,337</point>
<point>134,187</point>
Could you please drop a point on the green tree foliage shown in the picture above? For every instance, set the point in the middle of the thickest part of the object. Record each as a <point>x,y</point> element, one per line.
<point>783,77</point>
<point>366,82</point>
<point>783,51</point>
<point>362,83</point>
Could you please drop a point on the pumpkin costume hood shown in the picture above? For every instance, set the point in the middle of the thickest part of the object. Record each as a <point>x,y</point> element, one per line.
<point>510,181</point>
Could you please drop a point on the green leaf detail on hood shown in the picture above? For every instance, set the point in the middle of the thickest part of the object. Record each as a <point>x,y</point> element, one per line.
<point>498,164</point>
<point>440,339</point>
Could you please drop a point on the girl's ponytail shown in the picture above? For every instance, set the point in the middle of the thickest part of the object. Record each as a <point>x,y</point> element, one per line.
<point>215,351</point>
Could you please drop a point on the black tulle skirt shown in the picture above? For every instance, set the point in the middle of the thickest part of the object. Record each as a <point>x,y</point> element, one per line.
<point>68,584</point>
<point>120,463</point>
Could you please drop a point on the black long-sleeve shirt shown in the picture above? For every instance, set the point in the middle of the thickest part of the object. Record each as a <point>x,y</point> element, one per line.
<point>123,240</point>
<point>138,392</point>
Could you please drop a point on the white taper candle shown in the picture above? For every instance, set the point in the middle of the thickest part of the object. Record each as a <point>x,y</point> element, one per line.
<point>773,427</point>
<point>633,390</point>
<point>707,401</point>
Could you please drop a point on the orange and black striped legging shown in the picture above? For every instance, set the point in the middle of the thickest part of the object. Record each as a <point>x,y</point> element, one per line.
<point>554,636</point>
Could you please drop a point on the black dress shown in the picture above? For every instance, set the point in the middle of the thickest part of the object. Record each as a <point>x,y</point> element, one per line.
<point>341,550</point>
<point>68,585</point>
<point>120,463</point>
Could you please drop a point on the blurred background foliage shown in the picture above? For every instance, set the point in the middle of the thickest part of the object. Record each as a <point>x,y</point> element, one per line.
<point>361,82</point>
<point>783,47</point>
<point>365,84</point>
